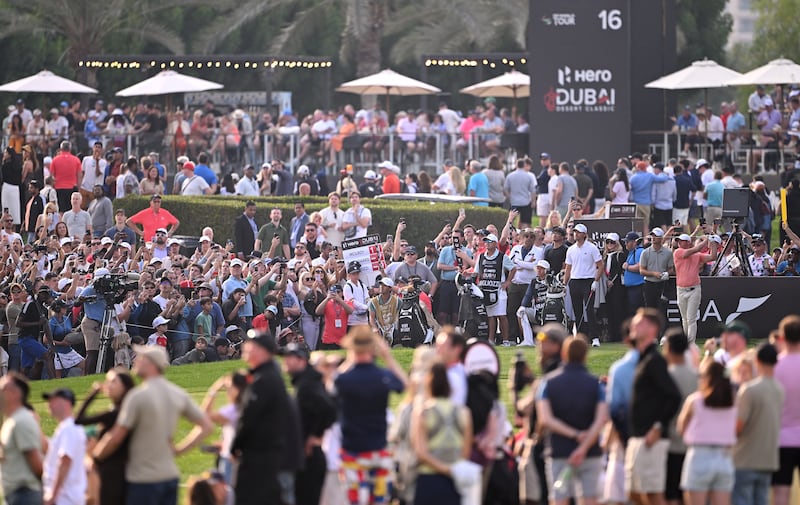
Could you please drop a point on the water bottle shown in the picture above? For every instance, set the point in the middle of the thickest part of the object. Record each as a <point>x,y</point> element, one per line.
<point>563,479</point>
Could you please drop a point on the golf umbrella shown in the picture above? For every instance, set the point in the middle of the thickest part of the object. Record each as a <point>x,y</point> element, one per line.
<point>701,74</point>
<point>780,71</point>
<point>388,82</point>
<point>509,85</point>
<point>46,82</point>
<point>168,82</point>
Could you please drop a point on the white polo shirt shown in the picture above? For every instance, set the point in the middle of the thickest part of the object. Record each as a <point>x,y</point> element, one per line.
<point>583,260</point>
<point>68,440</point>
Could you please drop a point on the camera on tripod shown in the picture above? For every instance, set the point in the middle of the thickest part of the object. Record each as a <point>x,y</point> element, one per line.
<point>115,286</point>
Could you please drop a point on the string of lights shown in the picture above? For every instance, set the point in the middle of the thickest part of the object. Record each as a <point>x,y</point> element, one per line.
<point>228,62</point>
<point>491,60</point>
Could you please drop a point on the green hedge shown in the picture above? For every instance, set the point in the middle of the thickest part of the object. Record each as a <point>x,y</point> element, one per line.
<point>424,219</point>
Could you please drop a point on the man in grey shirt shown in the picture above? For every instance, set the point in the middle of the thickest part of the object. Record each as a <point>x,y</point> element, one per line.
<point>78,221</point>
<point>566,190</point>
<point>101,210</point>
<point>520,186</point>
<point>656,265</point>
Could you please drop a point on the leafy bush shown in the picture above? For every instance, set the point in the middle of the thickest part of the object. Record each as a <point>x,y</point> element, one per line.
<point>425,220</point>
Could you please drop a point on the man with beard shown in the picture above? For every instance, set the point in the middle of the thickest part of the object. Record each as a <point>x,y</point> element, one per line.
<point>101,211</point>
<point>317,413</point>
<point>332,217</point>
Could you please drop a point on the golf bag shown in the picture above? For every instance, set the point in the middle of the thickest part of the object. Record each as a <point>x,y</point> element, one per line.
<point>472,316</point>
<point>554,310</point>
<point>412,326</point>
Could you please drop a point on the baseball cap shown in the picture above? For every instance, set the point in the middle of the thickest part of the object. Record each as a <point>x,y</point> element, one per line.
<point>237,263</point>
<point>387,282</point>
<point>581,228</point>
<point>173,241</point>
<point>385,164</point>
<point>204,238</point>
<point>632,236</point>
<point>739,327</point>
<point>64,393</point>
<point>158,321</point>
<point>768,102</point>
<point>188,166</point>
<point>101,272</point>
<point>544,264</point>
<point>263,339</point>
<point>155,353</point>
<point>716,238</point>
<point>222,341</point>
<point>106,241</point>
<point>370,174</point>
<point>295,349</point>
<point>273,309</point>
<point>62,283</point>
<point>411,249</point>
<point>613,237</point>
<point>757,237</point>
<point>355,266</point>
<point>544,156</point>
<point>490,238</point>
<point>553,332</point>
<point>157,196</point>
<point>153,261</point>
<point>684,236</point>
<point>231,328</point>
<point>657,232</point>
<point>65,241</point>
<point>701,162</point>
<point>303,170</point>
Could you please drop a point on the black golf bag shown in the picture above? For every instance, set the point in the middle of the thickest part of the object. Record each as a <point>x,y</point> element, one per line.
<point>472,316</point>
<point>554,310</point>
<point>412,326</point>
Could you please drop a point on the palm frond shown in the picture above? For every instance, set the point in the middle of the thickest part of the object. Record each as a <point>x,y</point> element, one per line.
<point>158,34</point>
<point>231,20</point>
<point>304,25</point>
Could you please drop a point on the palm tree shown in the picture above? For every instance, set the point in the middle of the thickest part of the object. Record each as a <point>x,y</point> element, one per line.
<point>87,26</point>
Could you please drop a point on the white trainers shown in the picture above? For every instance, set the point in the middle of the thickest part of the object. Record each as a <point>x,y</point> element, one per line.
<point>506,344</point>
<point>595,342</point>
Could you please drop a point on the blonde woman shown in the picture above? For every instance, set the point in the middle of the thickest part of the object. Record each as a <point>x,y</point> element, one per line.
<point>457,180</point>
<point>49,218</point>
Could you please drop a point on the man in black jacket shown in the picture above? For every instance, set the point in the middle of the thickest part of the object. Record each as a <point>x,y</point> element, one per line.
<point>245,230</point>
<point>264,442</point>
<point>654,402</point>
<point>317,413</point>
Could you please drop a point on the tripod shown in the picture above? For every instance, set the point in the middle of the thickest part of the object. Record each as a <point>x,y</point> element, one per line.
<point>105,337</point>
<point>739,251</point>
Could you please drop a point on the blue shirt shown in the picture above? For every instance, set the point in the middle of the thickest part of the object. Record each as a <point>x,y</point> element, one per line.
<point>447,256</point>
<point>686,123</point>
<point>714,192</point>
<point>736,122</point>
<point>642,184</point>
<point>632,278</point>
<point>479,183</point>
<point>363,393</point>
<point>783,269</point>
<point>620,381</point>
<point>206,173</point>
<point>230,284</point>
<point>94,309</point>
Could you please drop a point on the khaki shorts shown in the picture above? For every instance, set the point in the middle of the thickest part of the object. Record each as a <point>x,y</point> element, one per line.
<point>646,467</point>
<point>91,333</point>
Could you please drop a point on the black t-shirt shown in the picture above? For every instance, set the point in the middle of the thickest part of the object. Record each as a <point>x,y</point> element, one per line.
<point>369,190</point>
<point>157,124</point>
<point>31,313</point>
<point>556,257</point>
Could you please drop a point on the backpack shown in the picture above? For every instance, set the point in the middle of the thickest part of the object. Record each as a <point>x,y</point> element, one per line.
<point>482,392</point>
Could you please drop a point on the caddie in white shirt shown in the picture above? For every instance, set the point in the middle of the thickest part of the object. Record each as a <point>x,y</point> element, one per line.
<point>64,476</point>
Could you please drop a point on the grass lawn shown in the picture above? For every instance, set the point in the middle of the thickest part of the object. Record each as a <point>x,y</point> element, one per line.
<point>197,378</point>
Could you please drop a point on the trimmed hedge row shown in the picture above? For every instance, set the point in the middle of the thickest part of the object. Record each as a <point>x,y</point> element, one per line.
<point>425,220</point>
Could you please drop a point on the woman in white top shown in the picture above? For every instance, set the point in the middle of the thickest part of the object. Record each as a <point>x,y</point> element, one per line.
<point>620,187</point>
<point>226,416</point>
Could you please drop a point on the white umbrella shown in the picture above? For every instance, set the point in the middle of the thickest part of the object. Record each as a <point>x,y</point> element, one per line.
<point>168,82</point>
<point>46,82</point>
<point>701,74</point>
<point>509,85</point>
<point>388,82</point>
<point>780,71</point>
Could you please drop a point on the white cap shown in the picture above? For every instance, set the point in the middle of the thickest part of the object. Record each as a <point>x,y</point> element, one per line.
<point>699,163</point>
<point>266,165</point>
<point>182,159</point>
<point>62,283</point>
<point>386,164</point>
<point>612,236</point>
<point>101,272</point>
<point>684,236</point>
<point>387,282</point>
<point>47,160</point>
<point>125,245</point>
<point>65,241</point>
<point>106,241</point>
<point>204,238</point>
<point>153,261</point>
<point>581,228</point>
<point>716,238</point>
<point>370,174</point>
<point>657,232</point>
<point>117,112</point>
<point>544,264</point>
<point>159,321</point>
<point>303,170</point>
<point>273,309</point>
<point>490,238</point>
<point>768,102</point>
<point>173,241</point>
<point>236,262</point>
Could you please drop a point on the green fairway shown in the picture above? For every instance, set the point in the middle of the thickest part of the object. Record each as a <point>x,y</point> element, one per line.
<point>197,378</point>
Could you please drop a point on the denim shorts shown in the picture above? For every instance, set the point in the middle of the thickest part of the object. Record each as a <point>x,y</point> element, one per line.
<point>708,468</point>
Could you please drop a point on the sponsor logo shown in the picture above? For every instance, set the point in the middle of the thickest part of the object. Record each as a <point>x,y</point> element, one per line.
<point>712,313</point>
<point>559,19</point>
<point>582,90</point>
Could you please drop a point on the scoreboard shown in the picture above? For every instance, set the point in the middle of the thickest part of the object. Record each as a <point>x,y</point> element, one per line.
<point>580,66</point>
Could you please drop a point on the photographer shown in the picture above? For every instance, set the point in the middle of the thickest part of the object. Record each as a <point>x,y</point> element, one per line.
<point>33,324</point>
<point>336,312</point>
<point>94,306</point>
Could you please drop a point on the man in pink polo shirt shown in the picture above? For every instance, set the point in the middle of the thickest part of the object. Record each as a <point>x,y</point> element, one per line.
<point>688,261</point>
